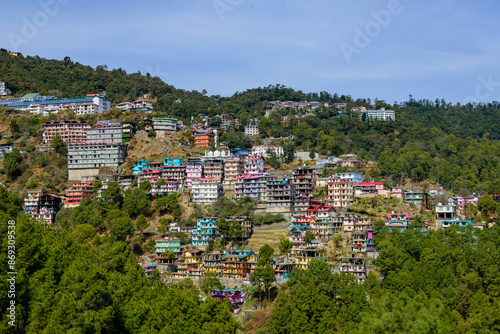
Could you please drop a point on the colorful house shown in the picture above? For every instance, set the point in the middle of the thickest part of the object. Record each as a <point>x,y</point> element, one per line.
<point>206,231</point>
<point>238,264</point>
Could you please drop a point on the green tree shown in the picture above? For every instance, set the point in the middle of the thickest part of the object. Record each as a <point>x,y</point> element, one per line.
<point>122,227</point>
<point>487,206</point>
<point>285,246</point>
<point>145,186</point>
<point>141,223</point>
<point>210,282</point>
<point>111,197</point>
<point>58,145</point>
<point>309,236</point>
<point>265,255</point>
<point>136,202</point>
<point>12,163</point>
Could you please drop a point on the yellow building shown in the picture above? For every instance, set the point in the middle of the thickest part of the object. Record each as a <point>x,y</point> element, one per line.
<point>238,264</point>
<point>304,256</point>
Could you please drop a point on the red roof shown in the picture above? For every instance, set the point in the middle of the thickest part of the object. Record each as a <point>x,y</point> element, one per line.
<point>369,183</point>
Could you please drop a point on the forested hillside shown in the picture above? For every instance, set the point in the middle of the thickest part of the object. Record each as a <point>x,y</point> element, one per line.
<point>75,281</point>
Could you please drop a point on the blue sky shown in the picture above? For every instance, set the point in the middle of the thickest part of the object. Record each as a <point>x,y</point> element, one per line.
<point>365,48</point>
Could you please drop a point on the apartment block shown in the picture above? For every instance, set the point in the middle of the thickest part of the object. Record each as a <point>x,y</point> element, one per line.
<point>42,207</point>
<point>136,106</point>
<point>252,185</point>
<point>303,180</point>
<point>304,256</point>
<point>212,262</point>
<point>213,168</point>
<point>45,105</point>
<point>193,170</point>
<point>69,131</point>
<point>205,190</point>
<point>355,267</point>
<point>340,193</point>
<point>238,264</point>
<point>280,193</point>
<point>190,265</point>
<point>267,151</point>
<point>233,167</point>
<point>205,232</point>
<point>106,132</point>
<point>76,193</point>
<point>86,158</point>
<point>164,125</point>
<point>170,186</point>
<point>380,115</point>
<point>253,164</point>
<point>251,130</point>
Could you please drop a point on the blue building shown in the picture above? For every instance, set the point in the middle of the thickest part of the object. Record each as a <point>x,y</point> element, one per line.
<point>205,232</point>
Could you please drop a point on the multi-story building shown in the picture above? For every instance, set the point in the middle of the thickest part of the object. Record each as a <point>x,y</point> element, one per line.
<point>303,180</point>
<point>399,221</point>
<point>280,193</point>
<point>106,132</point>
<point>238,264</point>
<point>354,177</point>
<point>251,130</point>
<point>445,212</point>
<point>340,193</point>
<point>267,151</point>
<point>205,190</point>
<point>252,185</point>
<point>460,203</point>
<point>149,175</point>
<point>353,266</point>
<point>190,265</point>
<point>213,168</point>
<point>245,223</point>
<point>174,172</point>
<point>327,223</point>
<point>203,138</point>
<point>69,131</point>
<point>193,170</point>
<point>43,207</point>
<point>45,105</point>
<point>233,167</point>
<point>85,159</point>
<point>304,256</point>
<point>417,198</point>
<point>164,125</point>
<point>137,106</point>
<point>380,115</point>
<point>253,164</point>
<point>235,297</point>
<point>165,244</point>
<point>212,262</point>
<point>170,186</point>
<point>368,188</point>
<point>76,193</point>
<point>205,232</point>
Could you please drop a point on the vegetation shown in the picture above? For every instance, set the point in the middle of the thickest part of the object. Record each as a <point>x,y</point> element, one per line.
<point>73,280</point>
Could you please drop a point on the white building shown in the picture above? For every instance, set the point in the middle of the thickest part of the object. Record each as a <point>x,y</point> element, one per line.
<point>251,130</point>
<point>264,150</point>
<point>45,105</point>
<point>205,190</point>
<point>380,115</point>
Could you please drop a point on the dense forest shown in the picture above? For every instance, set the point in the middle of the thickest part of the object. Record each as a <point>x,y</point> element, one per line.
<point>71,280</point>
<point>443,282</point>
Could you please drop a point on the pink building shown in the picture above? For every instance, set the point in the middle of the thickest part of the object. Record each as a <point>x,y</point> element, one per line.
<point>193,171</point>
<point>170,186</point>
